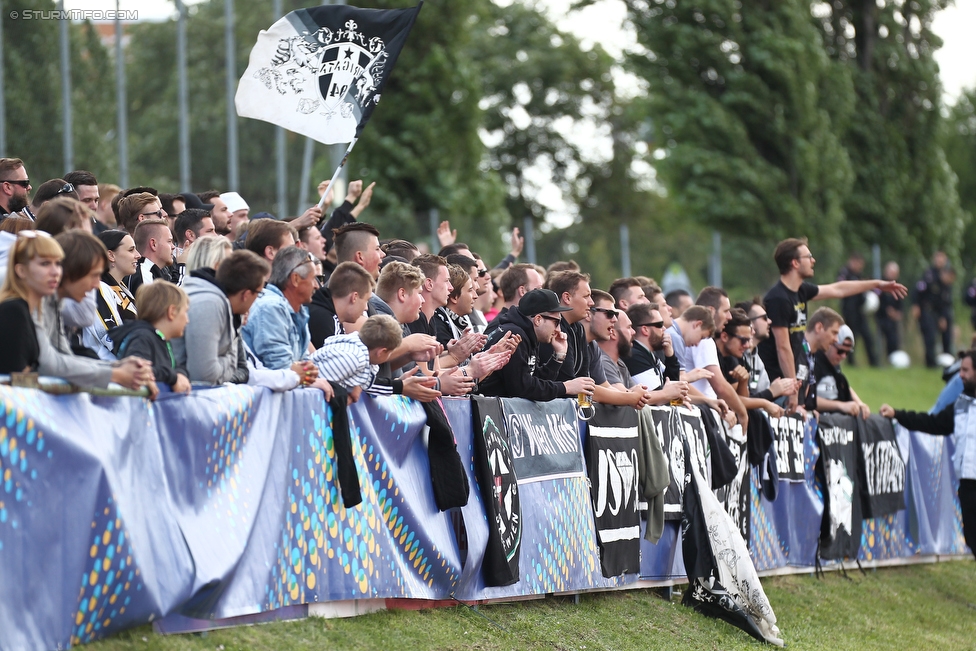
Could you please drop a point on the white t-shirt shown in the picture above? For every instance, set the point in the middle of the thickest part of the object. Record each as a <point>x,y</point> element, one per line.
<point>703,355</point>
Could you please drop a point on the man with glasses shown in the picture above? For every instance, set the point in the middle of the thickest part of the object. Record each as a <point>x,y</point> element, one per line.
<point>760,385</point>
<point>732,343</point>
<point>535,321</point>
<point>834,392</point>
<point>15,187</point>
<point>650,338</point>
<point>138,207</point>
<point>786,304</point>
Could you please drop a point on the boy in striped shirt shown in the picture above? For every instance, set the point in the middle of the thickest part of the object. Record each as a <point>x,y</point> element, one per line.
<point>353,360</point>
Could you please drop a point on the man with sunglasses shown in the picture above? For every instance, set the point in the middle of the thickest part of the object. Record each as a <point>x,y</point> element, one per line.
<point>834,392</point>
<point>535,321</point>
<point>652,349</point>
<point>15,187</point>
<point>760,385</point>
<point>732,343</point>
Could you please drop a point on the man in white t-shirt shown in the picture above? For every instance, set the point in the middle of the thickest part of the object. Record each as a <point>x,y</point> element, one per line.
<point>705,354</point>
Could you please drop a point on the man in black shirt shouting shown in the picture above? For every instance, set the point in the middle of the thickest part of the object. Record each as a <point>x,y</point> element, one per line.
<point>786,305</point>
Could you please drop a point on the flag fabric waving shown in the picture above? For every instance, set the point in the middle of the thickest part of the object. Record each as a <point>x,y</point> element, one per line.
<point>320,71</point>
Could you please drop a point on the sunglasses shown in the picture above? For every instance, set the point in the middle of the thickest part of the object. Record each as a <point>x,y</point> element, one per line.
<point>843,352</point>
<point>482,273</point>
<point>554,319</point>
<point>309,259</point>
<point>743,340</point>
<point>158,214</point>
<point>25,183</point>
<point>611,314</point>
<point>759,316</point>
<point>67,188</point>
<point>656,324</point>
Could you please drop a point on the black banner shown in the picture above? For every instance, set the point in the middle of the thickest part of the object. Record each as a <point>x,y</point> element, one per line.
<point>667,422</point>
<point>789,447</point>
<point>881,467</point>
<point>840,530</point>
<point>736,496</point>
<point>499,491</point>
<point>543,437</point>
<point>613,441</point>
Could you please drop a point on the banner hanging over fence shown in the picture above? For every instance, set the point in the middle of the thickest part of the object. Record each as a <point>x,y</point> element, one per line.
<point>246,513</point>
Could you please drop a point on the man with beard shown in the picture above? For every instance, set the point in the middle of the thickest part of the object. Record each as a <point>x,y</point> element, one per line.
<point>759,383</point>
<point>958,419</point>
<point>601,330</point>
<point>787,302</point>
<point>15,187</point>
<point>616,349</point>
<point>535,321</point>
<point>652,349</point>
<point>219,212</point>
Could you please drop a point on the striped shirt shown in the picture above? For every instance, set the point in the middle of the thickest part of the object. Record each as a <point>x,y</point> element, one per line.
<point>344,359</point>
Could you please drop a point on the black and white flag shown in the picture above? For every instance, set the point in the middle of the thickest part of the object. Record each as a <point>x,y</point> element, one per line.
<point>499,492</point>
<point>320,71</point>
<point>840,530</point>
<point>615,487</point>
<point>881,468</point>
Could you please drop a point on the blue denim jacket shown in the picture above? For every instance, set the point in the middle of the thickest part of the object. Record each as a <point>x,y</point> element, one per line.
<point>276,334</point>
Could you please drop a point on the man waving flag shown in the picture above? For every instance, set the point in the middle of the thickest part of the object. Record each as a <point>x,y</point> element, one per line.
<point>320,71</point>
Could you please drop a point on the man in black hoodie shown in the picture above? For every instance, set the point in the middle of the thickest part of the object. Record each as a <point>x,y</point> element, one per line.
<point>959,420</point>
<point>343,301</point>
<point>535,321</point>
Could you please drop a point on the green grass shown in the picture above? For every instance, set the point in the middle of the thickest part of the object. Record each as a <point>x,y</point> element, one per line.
<point>915,607</point>
<point>913,388</point>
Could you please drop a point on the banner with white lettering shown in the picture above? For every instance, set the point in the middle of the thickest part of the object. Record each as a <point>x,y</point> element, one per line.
<point>881,467</point>
<point>736,496</point>
<point>789,447</point>
<point>499,492</point>
<point>615,487</point>
<point>667,422</point>
<point>543,438</point>
<point>840,530</point>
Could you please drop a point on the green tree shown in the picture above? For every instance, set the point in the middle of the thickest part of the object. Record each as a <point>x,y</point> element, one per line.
<point>959,141</point>
<point>904,195</point>
<point>746,107</point>
<point>33,96</point>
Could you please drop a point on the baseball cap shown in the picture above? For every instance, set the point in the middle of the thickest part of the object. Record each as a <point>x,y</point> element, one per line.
<point>541,300</point>
<point>844,334</point>
<point>191,200</point>
<point>234,201</point>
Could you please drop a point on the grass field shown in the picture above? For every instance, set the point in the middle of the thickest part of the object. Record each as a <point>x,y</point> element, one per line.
<point>917,607</point>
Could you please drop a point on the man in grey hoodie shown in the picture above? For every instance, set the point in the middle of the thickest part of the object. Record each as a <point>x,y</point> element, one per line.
<point>210,351</point>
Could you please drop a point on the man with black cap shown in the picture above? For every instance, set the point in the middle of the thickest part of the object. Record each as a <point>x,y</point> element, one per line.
<point>535,321</point>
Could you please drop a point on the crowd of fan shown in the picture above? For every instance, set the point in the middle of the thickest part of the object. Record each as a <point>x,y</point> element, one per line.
<point>103,285</point>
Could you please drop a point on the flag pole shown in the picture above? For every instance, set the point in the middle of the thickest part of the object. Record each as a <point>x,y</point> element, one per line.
<point>342,164</point>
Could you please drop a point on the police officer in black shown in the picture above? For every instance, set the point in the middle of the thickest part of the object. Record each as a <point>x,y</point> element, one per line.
<point>933,306</point>
<point>852,309</point>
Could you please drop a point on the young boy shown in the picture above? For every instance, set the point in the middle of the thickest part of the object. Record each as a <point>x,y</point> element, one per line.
<point>163,315</point>
<point>352,361</point>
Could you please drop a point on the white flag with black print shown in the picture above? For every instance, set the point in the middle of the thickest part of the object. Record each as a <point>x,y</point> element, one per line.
<point>320,71</point>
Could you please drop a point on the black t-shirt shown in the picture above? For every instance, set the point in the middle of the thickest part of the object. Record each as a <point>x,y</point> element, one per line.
<point>786,309</point>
